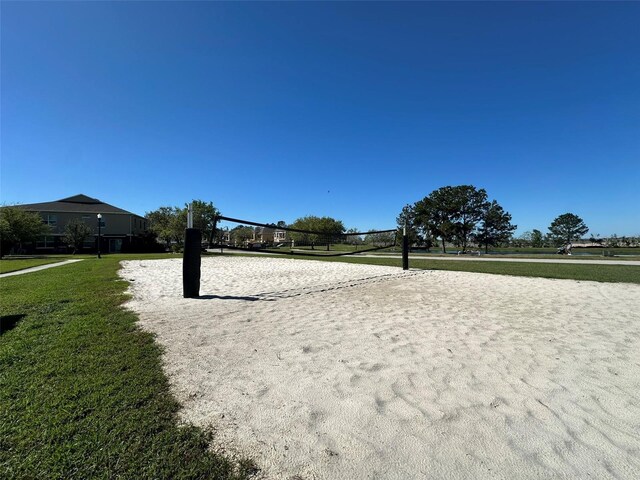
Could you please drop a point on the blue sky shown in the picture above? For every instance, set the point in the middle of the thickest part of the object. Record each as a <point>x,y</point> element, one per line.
<point>352,110</point>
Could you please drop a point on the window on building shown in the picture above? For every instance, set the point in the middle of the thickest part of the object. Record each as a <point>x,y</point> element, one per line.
<point>51,220</point>
<point>45,242</point>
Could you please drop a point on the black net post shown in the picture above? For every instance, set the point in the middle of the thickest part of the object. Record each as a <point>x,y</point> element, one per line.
<point>191,263</point>
<point>405,249</point>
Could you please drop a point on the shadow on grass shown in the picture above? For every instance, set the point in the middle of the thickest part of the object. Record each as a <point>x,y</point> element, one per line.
<point>7,322</point>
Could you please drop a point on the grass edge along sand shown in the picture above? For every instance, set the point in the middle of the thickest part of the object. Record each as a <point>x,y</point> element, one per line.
<point>82,391</point>
<point>561,271</point>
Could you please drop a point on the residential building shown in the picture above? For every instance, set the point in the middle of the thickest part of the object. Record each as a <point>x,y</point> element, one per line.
<point>120,230</point>
<point>269,235</point>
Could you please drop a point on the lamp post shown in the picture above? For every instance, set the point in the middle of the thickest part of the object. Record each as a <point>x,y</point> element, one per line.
<point>99,230</point>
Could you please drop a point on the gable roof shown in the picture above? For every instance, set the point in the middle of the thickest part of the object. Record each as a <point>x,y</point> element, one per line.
<point>77,204</point>
<point>80,198</point>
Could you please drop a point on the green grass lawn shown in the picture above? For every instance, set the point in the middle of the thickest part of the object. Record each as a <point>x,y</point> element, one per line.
<point>82,392</point>
<point>549,250</point>
<point>515,254</point>
<point>7,266</point>
<point>597,273</point>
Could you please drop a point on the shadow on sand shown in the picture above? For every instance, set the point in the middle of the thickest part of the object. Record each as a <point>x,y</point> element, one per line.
<point>230,297</point>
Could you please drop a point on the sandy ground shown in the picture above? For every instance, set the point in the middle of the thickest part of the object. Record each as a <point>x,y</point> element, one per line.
<point>335,371</point>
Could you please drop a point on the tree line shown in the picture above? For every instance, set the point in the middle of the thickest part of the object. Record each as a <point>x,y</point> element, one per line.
<point>168,223</point>
<point>461,215</point>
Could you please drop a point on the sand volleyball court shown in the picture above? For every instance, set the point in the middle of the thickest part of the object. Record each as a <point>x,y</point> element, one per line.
<point>321,370</point>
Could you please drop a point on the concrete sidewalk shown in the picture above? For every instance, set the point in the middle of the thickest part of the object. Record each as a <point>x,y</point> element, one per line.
<point>461,258</point>
<point>41,267</point>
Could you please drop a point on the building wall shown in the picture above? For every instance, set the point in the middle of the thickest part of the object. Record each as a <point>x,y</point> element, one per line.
<point>113,223</point>
<point>117,231</point>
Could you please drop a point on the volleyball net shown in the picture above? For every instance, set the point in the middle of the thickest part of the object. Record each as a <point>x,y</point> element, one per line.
<point>328,239</point>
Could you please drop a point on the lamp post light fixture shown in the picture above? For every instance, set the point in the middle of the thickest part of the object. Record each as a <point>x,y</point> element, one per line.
<point>99,230</point>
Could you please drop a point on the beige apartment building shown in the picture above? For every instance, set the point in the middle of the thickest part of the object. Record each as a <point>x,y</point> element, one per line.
<point>120,230</point>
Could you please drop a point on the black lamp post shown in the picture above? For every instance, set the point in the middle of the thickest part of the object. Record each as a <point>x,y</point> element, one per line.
<point>99,230</point>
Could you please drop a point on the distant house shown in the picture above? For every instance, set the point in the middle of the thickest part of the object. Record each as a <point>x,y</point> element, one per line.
<point>263,235</point>
<point>120,230</point>
<point>279,236</point>
<point>269,235</point>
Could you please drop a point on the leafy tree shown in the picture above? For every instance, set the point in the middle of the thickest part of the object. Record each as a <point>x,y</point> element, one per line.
<point>205,218</point>
<point>163,222</point>
<point>322,229</point>
<point>407,218</point>
<point>75,234</point>
<point>566,228</point>
<point>451,213</point>
<point>596,239</point>
<point>537,239</point>
<point>470,207</point>
<point>523,240</point>
<point>496,226</point>
<point>433,214</point>
<point>169,223</point>
<point>353,239</point>
<point>18,226</point>
<point>240,234</point>
<point>379,239</point>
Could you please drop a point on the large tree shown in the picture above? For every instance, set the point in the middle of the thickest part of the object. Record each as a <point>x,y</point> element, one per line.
<point>75,234</point>
<point>567,228</point>
<point>451,213</point>
<point>496,226</point>
<point>433,214</point>
<point>379,239</point>
<point>407,218</point>
<point>169,223</point>
<point>164,223</point>
<point>240,234</point>
<point>205,218</point>
<point>537,239</point>
<point>18,226</point>
<point>471,206</point>
<point>324,230</point>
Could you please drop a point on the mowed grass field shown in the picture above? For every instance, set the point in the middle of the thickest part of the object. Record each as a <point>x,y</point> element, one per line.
<point>82,391</point>
<point>567,271</point>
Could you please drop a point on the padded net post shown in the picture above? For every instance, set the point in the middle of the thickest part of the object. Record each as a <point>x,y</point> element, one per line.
<point>191,263</point>
<point>405,252</point>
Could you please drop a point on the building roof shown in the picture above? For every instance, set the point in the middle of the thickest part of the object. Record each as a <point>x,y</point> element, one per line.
<point>76,204</point>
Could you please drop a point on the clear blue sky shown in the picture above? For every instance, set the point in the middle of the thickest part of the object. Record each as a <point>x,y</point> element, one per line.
<point>352,110</point>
